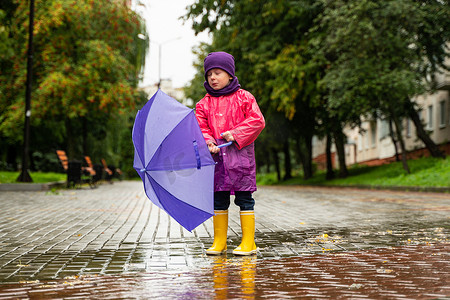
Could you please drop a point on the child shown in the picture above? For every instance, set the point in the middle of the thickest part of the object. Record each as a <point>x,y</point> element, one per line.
<point>228,113</point>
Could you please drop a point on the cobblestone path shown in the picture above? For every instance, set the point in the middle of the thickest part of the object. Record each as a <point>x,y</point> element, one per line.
<point>313,242</point>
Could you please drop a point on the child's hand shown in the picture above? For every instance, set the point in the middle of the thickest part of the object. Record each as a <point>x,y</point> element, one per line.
<point>228,136</point>
<point>213,148</point>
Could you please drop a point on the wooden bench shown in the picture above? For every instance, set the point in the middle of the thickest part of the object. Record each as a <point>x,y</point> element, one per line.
<point>108,173</point>
<point>90,167</point>
<point>90,170</point>
<point>63,159</point>
<point>76,173</point>
<point>111,171</point>
<point>72,168</point>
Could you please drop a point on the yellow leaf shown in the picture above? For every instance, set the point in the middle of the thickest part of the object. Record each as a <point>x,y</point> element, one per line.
<point>20,265</point>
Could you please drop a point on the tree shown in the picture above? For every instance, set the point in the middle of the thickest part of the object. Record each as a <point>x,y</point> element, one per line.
<point>380,54</point>
<point>269,49</point>
<point>7,7</point>
<point>88,59</point>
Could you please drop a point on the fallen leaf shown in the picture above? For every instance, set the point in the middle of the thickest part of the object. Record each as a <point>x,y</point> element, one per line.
<point>355,286</point>
<point>29,281</point>
<point>384,271</point>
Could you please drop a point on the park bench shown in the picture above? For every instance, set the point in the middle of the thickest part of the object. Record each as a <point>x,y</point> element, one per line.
<point>63,159</point>
<point>94,172</point>
<point>76,173</point>
<point>108,173</point>
<point>111,171</point>
<point>115,172</point>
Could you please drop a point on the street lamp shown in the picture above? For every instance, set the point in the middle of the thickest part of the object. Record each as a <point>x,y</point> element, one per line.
<point>24,176</point>
<point>160,55</point>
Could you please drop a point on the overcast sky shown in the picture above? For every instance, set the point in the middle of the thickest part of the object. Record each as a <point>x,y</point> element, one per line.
<point>164,28</point>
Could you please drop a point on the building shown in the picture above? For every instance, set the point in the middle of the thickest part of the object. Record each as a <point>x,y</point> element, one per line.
<point>373,145</point>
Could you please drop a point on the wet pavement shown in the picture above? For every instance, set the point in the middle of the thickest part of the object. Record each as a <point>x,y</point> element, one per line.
<point>111,242</point>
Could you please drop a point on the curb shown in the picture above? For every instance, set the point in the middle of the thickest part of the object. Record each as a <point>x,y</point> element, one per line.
<point>30,187</point>
<point>429,189</point>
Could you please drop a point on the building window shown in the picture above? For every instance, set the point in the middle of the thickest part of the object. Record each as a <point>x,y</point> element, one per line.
<point>373,134</point>
<point>360,146</point>
<point>366,140</point>
<point>408,127</point>
<point>384,129</point>
<point>430,117</point>
<point>442,114</point>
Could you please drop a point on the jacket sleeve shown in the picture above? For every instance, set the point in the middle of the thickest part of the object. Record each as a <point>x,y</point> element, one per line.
<point>201,113</point>
<point>248,130</point>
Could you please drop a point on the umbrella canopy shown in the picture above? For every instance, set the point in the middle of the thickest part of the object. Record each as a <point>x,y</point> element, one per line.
<point>173,160</point>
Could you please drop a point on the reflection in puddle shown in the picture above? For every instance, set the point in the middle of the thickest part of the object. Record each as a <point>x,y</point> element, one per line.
<point>225,272</point>
<point>220,278</point>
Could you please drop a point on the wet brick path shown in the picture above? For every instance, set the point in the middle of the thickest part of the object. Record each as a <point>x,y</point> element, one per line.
<point>313,242</point>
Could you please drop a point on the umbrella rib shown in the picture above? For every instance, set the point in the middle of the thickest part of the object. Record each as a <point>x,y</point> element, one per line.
<point>181,168</point>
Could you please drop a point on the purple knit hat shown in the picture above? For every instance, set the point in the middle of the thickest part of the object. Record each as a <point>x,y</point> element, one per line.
<point>224,61</point>
<point>221,60</point>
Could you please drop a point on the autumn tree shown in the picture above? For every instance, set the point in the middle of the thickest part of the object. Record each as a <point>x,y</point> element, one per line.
<point>88,59</point>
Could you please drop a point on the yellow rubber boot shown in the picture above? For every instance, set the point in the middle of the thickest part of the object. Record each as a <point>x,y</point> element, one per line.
<point>220,221</point>
<point>247,246</point>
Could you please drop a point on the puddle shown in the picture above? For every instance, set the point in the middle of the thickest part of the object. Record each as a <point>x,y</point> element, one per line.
<point>185,256</point>
<point>416,271</point>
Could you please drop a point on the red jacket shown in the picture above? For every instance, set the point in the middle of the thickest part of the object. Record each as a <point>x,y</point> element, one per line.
<point>240,114</point>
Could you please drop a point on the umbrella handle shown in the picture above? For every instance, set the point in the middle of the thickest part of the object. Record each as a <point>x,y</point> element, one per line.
<point>197,155</point>
<point>225,145</point>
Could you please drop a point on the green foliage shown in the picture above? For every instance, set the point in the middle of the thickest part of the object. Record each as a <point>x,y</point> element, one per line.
<point>88,60</point>
<point>266,178</point>
<point>5,47</point>
<point>88,76</point>
<point>375,54</point>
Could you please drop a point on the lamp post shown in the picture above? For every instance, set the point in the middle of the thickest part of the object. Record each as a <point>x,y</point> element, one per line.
<point>24,176</point>
<point>160,57</point>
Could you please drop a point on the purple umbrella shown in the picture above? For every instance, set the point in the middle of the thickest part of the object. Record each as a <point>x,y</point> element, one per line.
<point>173,160</point>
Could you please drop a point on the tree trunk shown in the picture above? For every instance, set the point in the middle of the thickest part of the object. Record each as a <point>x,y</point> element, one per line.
<point>287,161</point>
<point>398,128</point>
<point>276,160</point>
<point>330,173</point>
<point>339,141</point>
<point>11,158</point>
<point>300,153</point>
<point>394,141</point>
<point>70,140</point>
<point>85,136</point>
<point>422,134</point>
<point>304,145</point>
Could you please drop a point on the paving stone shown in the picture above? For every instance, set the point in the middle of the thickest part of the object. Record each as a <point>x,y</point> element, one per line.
<point>114,229</point>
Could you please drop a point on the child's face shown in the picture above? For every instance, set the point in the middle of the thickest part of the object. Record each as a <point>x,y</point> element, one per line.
<point>218,78</point>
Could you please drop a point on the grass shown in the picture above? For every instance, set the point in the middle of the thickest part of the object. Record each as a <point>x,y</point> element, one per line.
<point>425,172</point>
<point>38,177</point>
